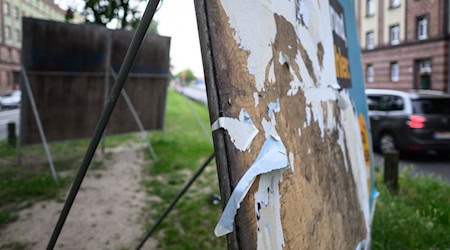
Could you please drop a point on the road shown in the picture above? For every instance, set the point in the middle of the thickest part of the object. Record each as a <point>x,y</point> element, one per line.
<point>438,165</point>
<point>427,164</point>
<point>195,92</point>
<point>8,116</point>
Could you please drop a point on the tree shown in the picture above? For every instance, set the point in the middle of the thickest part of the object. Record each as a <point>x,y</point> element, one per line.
<point>125,12</point>
<point>69,15</point>
<point>186,76</point>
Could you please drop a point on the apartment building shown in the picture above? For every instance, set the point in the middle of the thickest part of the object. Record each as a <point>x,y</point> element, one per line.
<point>404,43</point>
<point>11,13</point>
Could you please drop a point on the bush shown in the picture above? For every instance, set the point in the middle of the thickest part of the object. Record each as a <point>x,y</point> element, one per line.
<point>418,217</point>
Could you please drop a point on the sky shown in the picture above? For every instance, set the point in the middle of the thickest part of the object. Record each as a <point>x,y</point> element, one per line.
<point>176,19</point>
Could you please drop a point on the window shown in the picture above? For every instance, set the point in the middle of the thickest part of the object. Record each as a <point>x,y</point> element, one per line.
<point>432,106</point>
<point>370,73</point>
<point>17,35</point>
<point>385,103</point>
<point>6,9</point>
<point>394,103</point>
<point>7,32</point>
<point>394,34</point>
<point>369,40</point>
<point>370,7</point>
<point>394,72</point>
<point>16,13</point>
<point>9,55</point>
<point>422,27</point>
<point>425,66</point>
<point>394,3</point>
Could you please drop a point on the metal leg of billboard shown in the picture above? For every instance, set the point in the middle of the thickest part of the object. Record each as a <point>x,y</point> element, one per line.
<point>107,84</point>
<point>175,200</point>
<point>136,118</point>
<point>26,84</point>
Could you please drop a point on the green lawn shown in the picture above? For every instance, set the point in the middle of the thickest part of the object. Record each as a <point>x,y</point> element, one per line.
<point>418,217</point>
<point>181,149</point>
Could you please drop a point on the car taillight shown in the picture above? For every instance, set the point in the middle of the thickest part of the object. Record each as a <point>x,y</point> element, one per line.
<point>416,121</point>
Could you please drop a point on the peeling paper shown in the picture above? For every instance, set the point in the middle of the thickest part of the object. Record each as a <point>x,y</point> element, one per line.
<point>271,157</point>
<point>361,245</point>
<point>256,97</point>
<point>269,126</point>
<point>241,132</point>
<point>291,160</point>
<point>267,209</point>
<point>342,103</point>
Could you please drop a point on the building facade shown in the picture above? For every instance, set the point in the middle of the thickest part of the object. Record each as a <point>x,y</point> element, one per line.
<point>404,43</point>
<point>11,13</point>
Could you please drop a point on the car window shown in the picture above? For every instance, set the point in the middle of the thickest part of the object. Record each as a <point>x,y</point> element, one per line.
<point>375,102</point>
<point>394,103</point>
<point>432,106</point>
<point>385,102</point>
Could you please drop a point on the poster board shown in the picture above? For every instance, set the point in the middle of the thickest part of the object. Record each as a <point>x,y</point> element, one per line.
<point>286,100</point>
<point>67,65</point>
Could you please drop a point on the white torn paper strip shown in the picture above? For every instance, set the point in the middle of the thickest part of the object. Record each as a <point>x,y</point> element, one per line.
<point>267,209</point>
<point>271,157</point>
<point>241,131</point>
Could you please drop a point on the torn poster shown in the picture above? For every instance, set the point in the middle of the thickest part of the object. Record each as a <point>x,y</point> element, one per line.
<point>271,157</point>
<point>241,131</point>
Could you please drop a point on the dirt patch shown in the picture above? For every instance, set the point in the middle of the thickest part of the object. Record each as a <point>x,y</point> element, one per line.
<point>106,213</point>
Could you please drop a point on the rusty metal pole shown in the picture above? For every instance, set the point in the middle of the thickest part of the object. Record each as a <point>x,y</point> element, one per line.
<point>12,139</point>
<point>391,170</point>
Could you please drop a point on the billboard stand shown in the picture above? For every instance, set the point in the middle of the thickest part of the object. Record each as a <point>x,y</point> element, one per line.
<point>136,118</point>
<point>106,90</point>
<point>26,84</point>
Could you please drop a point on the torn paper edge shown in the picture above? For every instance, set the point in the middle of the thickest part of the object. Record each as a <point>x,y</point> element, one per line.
<point>267,209</point>
<point>241,131</point>
<point>271,157</point>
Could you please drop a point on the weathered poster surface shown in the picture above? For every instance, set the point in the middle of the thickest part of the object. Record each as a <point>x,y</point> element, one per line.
<point>286,98</point>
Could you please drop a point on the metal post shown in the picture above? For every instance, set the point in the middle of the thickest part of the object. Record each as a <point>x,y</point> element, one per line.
<point>174,201</point>
<point>26,83</point>
<point>199,122</point>
<point>391,170</point>
<point>106,85</point>
<point>136,118</point>
<point>104,118</point>
<point>12,139</point>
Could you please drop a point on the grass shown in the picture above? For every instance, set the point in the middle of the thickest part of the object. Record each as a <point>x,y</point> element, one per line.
<point>418,217</point>
<point>181,149</point>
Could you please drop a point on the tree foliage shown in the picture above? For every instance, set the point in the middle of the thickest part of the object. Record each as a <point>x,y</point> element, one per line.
<point>186,76</point>
<point>125,12</point>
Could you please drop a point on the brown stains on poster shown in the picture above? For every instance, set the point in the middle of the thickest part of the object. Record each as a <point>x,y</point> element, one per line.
<point>320,52</point>
<point>319,205</point>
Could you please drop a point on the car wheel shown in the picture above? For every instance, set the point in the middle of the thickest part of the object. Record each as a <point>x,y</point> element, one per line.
<point>387,143</point>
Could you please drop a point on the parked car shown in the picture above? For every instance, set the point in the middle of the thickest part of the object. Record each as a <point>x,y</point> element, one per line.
<point>409,121</point>
<point>11,99</point>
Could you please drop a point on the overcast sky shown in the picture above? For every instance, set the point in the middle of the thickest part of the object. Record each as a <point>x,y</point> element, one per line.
<point>176,19</point>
